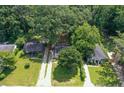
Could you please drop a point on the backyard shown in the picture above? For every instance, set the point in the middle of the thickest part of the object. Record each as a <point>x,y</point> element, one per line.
<point>21,76</point>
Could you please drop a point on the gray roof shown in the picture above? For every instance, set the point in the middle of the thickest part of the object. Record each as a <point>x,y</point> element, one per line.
<point>98,53</point>
<point>34,47</point>
<point>7,47</point>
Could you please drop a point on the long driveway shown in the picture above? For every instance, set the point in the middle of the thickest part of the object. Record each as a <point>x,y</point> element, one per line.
<point>43,69</point>
<point>87,82</point>
<point>45,80</point>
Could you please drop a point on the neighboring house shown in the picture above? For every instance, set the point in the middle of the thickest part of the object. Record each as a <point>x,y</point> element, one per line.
<point>98,56</point>
<point>7,47</point>
<point>32,48</point>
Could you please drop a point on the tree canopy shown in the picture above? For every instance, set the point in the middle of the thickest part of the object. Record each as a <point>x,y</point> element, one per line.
<point>51,21</point>
<point>70,58</point>
<point>85,38</point>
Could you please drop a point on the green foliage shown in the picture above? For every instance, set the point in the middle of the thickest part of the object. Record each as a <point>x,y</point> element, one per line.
<point>119,46</point>
<point>85,38</point>
<point>15,21</point>
<point>19,54</point>
<point>61,76</point>
<point>69,58</point>
<point>108,76</point>
<point>20,42</point>
<point>2,76</point>
<point>27,65</point>
<point>37,38</point>
<point>119,19</point>
<point>122,60</point>
<point>50,21</point>
<point>8,60</point>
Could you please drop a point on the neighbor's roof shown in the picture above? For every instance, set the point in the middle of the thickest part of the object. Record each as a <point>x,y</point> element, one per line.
<point>34,47</point>
<point>7,47</point>
<point>98,53</point>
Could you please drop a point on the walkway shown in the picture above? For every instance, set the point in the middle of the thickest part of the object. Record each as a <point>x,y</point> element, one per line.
<point>87,82</point>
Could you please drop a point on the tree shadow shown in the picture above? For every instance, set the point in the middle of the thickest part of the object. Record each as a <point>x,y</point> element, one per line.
<point>62,74</point>
<point>7,71</point>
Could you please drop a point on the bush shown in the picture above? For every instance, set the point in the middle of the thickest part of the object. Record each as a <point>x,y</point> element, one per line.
<point>20,54</point>
<point>16,51</point>
<point>39,55</point>
<point>2,76</point>
<point>20,42</point>
<point>69,58</point>
<point>37,38</point>
<point>27,65</point>
<point>8,60</point>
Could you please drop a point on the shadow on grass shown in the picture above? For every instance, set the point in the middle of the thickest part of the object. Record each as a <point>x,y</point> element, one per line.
<point>62,74</point>
<point>7,71</point>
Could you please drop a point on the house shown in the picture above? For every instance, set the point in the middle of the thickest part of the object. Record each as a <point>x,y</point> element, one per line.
<point>98,55</point>
<point>7,47</point>
<point>32,48</point>
<point>62,43</point>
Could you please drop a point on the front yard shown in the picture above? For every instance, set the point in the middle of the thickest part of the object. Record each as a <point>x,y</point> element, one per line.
<point>21,76</point>
<point>94,75</point>
<point>61,77</point>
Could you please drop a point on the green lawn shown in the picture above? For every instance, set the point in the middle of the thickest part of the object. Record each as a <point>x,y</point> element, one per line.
<point>21,76</point>
<point>60,77</point>
<point>94,74</point>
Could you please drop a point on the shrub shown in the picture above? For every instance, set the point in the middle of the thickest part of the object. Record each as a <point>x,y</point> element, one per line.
<point>37,38</point>
<point>20,42</point>
<point>20,54</point>
<point>2,76</point>
<point>8,60</point>
<point>39,55</point>
<point>27,65</point>
<point>16,51</point>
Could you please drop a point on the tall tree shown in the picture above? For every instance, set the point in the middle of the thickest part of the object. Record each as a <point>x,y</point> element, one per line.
<point>85,38</point>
